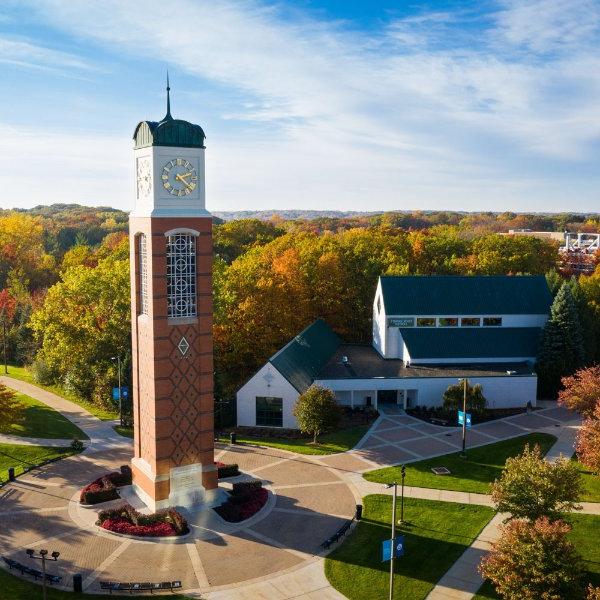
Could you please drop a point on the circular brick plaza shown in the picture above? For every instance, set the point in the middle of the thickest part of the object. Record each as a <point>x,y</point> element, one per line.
<point>308,503</point>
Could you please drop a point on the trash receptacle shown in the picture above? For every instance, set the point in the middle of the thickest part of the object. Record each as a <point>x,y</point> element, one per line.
<point>11,474</point>
<point>77,583</point>
<point>358,512</point>
<point>233,438</point>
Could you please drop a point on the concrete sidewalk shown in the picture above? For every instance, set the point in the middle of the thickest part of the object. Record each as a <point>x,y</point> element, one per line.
<point>29,441</point>
<point>102,436</point>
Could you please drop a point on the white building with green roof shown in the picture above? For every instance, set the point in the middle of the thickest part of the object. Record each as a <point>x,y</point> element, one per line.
<point>428,331</point>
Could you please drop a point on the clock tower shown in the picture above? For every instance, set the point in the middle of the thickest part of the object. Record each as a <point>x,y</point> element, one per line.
<point>171,303</point>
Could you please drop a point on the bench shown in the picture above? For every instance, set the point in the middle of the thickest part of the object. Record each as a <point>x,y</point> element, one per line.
<point>340,533</point>
<point>146,586</point>
<point>35,573</point>
<point>436,421</point>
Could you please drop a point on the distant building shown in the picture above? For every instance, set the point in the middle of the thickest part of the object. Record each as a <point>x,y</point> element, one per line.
<point>428,332</point>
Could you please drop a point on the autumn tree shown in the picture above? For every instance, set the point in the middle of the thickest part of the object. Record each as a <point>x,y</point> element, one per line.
<point>234,238</point>
<point>534,561</point>
<point>531,487</point>
<point>8,306</point>
<point>84,321</point>
<point>581,391</point>
<point>588,442</point>
<point>316,411</point>
<point>454,397</point>
<point>561,350</point>
<point>11,411</point>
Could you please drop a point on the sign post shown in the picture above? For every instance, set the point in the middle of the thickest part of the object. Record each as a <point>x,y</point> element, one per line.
<point>464,419</point>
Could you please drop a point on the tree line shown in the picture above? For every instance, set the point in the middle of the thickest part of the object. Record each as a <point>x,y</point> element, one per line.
<point>67,307</point>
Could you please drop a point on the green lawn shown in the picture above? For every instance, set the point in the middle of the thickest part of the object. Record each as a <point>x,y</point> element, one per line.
<point>14,588</point>
<point>41,421</point>
<point>329,443</point>
<point>585,536</point>
<point>24,374</point>
<point>124,431</point>
<point>474,474</point>
<point>591,484</point>
<point>436,535</point>
<point>22,457</point>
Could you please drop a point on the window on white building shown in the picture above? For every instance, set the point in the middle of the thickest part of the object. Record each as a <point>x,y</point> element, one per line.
<point>143,275</point>
<point>269,411</point>
<point>181,275</point>
<point>449,322</point>
<point>426,322</point>
<point>492,321</point>
<point>470,322</point>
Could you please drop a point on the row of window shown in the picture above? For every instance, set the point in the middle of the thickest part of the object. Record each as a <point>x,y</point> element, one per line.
<point>181,275</point>
<point>446,322</point>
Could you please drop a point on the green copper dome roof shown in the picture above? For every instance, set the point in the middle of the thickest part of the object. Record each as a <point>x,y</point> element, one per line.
<point>169,131</point>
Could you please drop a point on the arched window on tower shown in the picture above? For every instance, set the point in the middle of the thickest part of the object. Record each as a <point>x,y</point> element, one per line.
<point>143,263</point>
<point>181,275</point>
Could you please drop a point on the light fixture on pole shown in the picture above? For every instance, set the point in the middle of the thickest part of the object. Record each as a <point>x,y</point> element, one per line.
<point>393,550</point>
<point>43,556</point>
<point>118,359</point>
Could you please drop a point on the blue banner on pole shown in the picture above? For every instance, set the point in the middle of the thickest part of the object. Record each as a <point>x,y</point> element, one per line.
<point>124,392</point>
<point>461,416</point>
<point>386,548</point>
<point>115,393</point>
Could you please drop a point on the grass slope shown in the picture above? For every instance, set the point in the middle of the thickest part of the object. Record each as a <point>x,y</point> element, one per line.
<point>14,588</point>
<point>329,443</point>
<point>24,457</point>
<point>437,534</point>
<point>23,374</point>
<point>41,421</point>
<point>473,474</point>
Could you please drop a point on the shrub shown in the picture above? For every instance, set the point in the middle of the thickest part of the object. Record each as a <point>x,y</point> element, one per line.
<point>125,519</point>
<point>246,487</point>
<point>225,470</point>
<point>42,372</point>
<point>534,561</point>
<point>77,445</point>
<point>241,507</point>
<point>104,488</point>
<point>531,487</point>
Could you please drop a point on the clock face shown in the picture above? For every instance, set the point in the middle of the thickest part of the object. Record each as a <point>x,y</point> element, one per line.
<point>144,177</point>
<point>179,177</point>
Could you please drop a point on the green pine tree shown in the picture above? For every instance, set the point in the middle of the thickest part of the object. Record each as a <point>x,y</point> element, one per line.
<point>554,281</point>
<point>586,320</point>
<point>561,346</point>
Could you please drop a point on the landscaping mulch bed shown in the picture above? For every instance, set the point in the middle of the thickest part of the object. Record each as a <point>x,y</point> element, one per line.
<point>245,500</point>
<point>126,520</point>
<point>448,418</point>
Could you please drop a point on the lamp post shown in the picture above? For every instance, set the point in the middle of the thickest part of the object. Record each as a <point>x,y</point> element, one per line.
<point>42,556</point>
<point>118,359</point>
<point>464,423</point>
<point>403,473</point>
<point>395,486</point>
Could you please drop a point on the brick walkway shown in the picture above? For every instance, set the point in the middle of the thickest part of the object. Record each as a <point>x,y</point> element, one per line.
<point>276,555</point>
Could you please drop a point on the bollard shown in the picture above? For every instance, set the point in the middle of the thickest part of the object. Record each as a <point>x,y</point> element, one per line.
<point>233,438</point>
<point>77,583</point>
<point>11,474</point>
<point>358,512</point>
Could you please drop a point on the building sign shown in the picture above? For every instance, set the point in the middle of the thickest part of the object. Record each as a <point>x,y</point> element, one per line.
<point>402,322</point>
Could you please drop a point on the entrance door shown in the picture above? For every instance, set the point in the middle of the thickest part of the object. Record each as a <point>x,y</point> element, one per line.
<point>387,397</point>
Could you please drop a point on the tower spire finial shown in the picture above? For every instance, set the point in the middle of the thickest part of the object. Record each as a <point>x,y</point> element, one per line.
<point>168,115</point>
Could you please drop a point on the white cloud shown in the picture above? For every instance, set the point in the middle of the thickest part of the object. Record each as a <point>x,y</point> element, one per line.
<point>389,116</point>
<point>24,53</point>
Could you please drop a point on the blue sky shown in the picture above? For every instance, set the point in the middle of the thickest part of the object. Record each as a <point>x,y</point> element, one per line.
<point>347,105</point>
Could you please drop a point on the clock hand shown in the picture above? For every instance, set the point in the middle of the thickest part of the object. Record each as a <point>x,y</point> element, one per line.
<point>181,178</point>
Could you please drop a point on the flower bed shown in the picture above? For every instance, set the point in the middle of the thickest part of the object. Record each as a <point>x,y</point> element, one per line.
<point>125,519</point>
<point>245,500</point>
<point>225,470</point>
<point>104,488</point>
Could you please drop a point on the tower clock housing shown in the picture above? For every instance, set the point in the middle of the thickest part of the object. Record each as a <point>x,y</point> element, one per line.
<point>171,303</point>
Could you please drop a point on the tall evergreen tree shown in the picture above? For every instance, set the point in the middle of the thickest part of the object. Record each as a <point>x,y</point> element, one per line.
<point>586,320</point>
<point>561,346</point>
<point>554,281</point>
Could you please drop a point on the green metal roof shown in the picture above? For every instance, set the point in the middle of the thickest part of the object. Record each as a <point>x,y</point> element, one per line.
<point>302,358</point>
<point>471,295</point>
<point>471,342</point>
